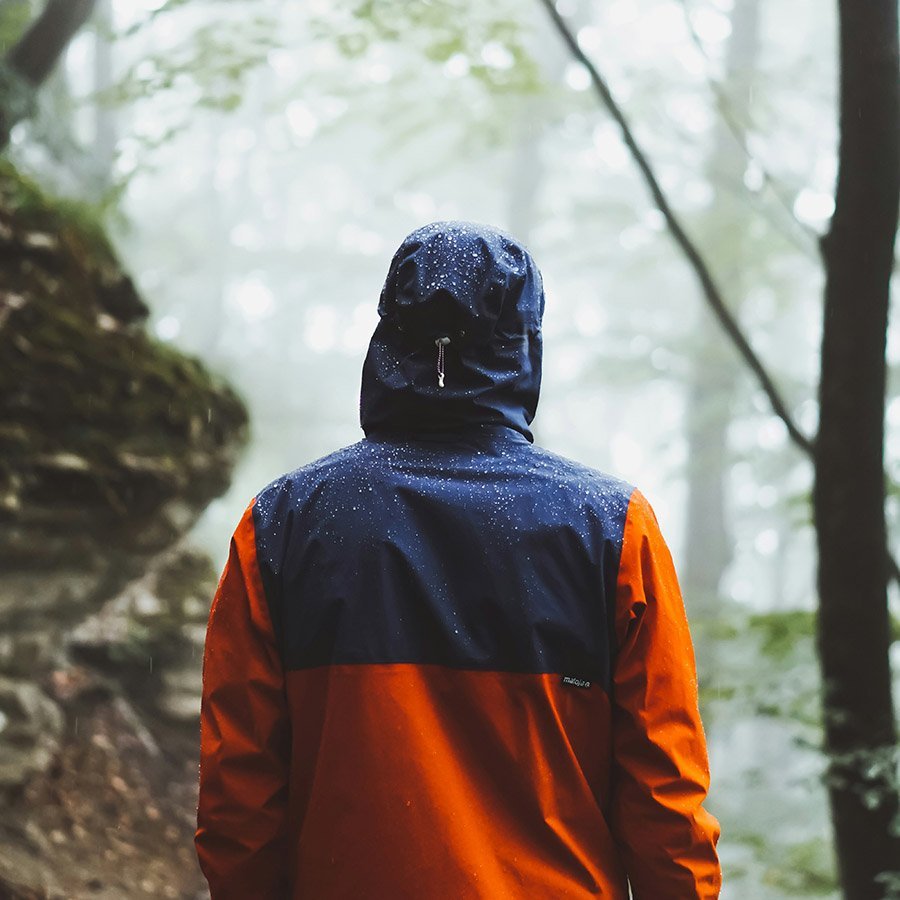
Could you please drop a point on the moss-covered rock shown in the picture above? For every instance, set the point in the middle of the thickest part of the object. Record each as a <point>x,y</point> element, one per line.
<point>101,426</point>
<point>111,445</point>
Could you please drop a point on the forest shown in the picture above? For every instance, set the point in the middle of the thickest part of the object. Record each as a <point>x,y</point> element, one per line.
<point>199,202</point>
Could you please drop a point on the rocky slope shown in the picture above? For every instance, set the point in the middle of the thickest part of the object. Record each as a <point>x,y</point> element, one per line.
<point>111,445</point>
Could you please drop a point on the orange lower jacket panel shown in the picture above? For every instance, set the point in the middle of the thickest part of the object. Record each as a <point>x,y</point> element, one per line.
<point>387,750</point>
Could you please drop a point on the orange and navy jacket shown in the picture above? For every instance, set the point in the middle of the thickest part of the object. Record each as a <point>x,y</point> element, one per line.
<point>444,663</point>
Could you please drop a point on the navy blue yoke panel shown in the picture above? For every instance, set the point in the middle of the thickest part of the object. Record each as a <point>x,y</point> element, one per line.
<point>475,551</point>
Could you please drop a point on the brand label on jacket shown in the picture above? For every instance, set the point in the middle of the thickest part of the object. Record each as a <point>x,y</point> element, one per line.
<point>572,681</point>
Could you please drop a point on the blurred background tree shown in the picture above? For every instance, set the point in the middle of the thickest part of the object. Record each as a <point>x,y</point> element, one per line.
<point>29,62</point>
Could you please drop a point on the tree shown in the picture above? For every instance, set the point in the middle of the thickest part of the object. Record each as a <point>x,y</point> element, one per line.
<point>849,495</point>
<point>28,64</point>
<point>708,552</point>
<point>105,125</point>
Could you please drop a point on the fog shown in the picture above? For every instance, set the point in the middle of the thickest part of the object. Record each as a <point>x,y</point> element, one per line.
<point>257,164</point>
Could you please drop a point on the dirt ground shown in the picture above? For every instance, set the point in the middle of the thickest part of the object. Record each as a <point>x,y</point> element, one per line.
<point>113,817</point>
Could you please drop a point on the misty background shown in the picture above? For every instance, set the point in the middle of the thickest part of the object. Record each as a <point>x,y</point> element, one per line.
<point>255,164</point>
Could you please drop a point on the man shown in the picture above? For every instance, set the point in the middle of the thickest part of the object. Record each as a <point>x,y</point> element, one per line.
<point>443,663</point>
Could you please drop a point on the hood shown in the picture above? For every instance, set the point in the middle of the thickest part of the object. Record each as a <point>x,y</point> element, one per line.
<point>477,292</point>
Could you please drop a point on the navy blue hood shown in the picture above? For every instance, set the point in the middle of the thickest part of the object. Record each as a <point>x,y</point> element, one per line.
<point>481,289</point>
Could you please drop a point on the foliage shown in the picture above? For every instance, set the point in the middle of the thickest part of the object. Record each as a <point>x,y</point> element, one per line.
<point>211,65</point>
<point>762,662</point>
<point>14,17</point>
<point>445,29</point>
<point>806,868</point>
<point>23,196</point>
<point>780,632</point>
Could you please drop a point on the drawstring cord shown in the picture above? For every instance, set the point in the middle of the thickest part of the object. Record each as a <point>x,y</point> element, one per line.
<point>440,343</point>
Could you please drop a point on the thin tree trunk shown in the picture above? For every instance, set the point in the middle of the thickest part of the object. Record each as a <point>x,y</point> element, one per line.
<point>853,624</point>
<point>35,55</point>
<point>527,168</point>
<point>105,131</point>
<point>713,371</point>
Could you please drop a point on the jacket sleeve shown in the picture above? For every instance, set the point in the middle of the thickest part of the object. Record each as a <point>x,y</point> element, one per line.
<point>244,737</point>
<point>660,777</point>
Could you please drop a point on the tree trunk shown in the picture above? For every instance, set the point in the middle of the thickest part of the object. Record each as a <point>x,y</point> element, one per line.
<point>713,369</point>
<point>34,57</point>
<point>105,130</point>
<point>853,623</point>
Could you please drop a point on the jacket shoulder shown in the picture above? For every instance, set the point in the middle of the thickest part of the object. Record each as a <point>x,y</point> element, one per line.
<point>603,498</point>
<point>306,477</point>
<point>592,482</point>
<point>276,505</point>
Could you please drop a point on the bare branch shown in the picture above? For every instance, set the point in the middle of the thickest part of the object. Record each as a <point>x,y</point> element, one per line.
<point>711,291</point>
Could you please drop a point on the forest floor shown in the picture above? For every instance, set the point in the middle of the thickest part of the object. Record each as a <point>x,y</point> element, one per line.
<point>114,816</point>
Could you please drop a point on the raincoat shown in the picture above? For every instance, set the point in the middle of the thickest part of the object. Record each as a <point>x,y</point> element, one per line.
<point>444,663</point>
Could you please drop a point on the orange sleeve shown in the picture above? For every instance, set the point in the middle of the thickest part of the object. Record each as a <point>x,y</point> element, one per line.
<point>244,737</point>
<point>660,770</point>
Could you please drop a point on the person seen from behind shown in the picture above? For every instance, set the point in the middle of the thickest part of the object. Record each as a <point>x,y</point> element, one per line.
<point>442,662</point>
